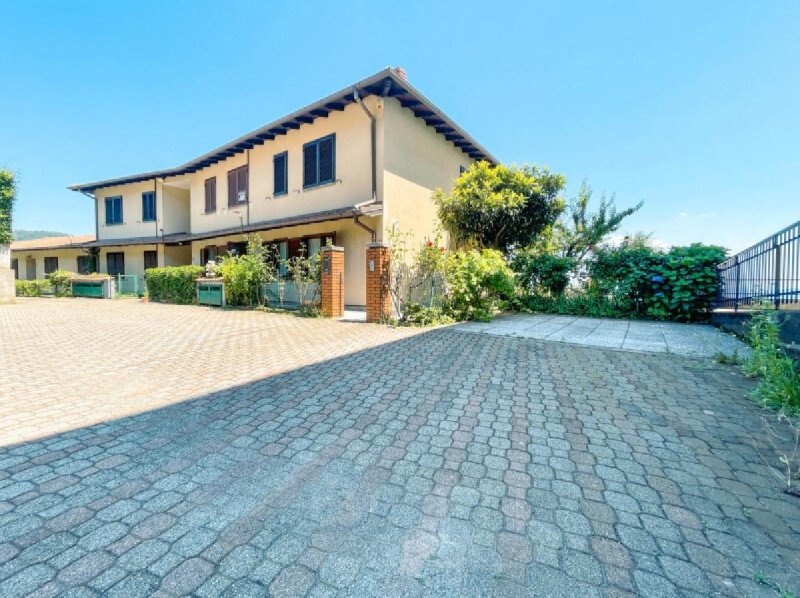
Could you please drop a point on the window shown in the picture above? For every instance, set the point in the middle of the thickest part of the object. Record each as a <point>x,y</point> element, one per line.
<point>15,268</point>
<point>462,170</point>
<point>280,166</point>
<point>114,210</point>
<point>237,186</point>
<point>211,195</point>
<point>50,265</point>
<point>319,162</point>
<point>148,206</point>
<point>150,259</point>
<point>237,248</point>
<point>116,263</point>
<point>208,254</point>
<point>84,264</point>
<point>280,252</point>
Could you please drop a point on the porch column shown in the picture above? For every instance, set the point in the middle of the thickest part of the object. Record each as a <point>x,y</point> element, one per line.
<point>332,282</point>
<point>379,303</point>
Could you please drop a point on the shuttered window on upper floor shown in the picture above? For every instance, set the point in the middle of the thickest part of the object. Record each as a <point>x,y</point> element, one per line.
<point>211,195</point>
<point>280,163</point>
<point>319,161</point>
<point>148,206</point>
<point>237,186</point>
<point>114,210</point>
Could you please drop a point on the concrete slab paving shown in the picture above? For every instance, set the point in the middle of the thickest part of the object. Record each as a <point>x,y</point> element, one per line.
<point>688,340</point>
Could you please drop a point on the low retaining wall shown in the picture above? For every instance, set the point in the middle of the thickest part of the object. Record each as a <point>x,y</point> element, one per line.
<point>736,322</point>
<point>7,287</point>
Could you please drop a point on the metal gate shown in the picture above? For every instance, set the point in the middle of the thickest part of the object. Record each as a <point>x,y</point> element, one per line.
<point>128,284</point>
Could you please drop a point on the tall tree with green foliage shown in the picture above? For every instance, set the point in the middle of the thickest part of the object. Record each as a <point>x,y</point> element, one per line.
<point>580,230</point>
<point>7,197</point>
<point>500,207</point>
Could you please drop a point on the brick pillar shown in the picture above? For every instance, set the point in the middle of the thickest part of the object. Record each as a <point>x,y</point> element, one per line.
<point>332,283</point>
<point>379,302</point>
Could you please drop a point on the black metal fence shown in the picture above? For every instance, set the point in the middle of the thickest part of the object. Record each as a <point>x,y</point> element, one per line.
<point>769,271</point>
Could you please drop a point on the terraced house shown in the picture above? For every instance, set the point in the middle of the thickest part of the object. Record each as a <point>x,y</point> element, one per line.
<point>344,170</point>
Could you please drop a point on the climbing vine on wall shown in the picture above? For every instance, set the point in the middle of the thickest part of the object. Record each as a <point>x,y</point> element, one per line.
<point>7,195</point>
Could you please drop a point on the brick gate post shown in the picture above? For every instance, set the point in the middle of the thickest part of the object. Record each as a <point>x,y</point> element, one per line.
<point>379,303</point>
<point>331,285</point>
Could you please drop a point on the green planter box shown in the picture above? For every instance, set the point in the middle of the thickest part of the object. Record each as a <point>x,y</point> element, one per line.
<point>98,289</point>
<point>211,293</point>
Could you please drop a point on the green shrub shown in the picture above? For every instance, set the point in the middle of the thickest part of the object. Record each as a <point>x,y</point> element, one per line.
<point>60,280</point>
<point>542,273</point>
<point>245,274</point>
<point>479,281</point>
<point>33,288</point>
<point>7,197</point>
<point>780,381</point>
<point>680,284</point>
<point>422,315</point>
<point>174,284</point>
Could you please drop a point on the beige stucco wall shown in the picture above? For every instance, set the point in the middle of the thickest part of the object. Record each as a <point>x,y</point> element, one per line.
<point>348,235</point>
<point>417,161</point>
<point>175,255</point>
<point>353,170</point>
<point>67,260</point>
<point>172,211</point>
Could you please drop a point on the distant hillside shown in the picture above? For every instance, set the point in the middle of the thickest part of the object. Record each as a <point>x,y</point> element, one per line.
<point>27,235</point>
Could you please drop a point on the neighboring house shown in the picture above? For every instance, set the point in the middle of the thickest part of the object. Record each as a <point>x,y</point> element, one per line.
<point>343,170</point>
<point>39,257</point>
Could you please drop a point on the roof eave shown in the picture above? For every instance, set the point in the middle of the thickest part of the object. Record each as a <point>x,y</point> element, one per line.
<point>333,102</point>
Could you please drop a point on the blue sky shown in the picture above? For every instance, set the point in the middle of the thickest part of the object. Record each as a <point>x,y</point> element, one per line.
<point>691,106</point>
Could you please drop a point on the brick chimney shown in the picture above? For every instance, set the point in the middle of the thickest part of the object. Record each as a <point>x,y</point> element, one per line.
<point>400,72</point>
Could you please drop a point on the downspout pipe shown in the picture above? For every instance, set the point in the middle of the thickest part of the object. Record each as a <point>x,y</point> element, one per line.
<point>96,214</point>
<point>371,231</point>
<point>373,142</point>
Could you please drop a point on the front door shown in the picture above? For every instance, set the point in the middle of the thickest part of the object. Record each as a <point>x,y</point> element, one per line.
<point>15,268</point>
<point>30,268</point>
<point>116,263</point>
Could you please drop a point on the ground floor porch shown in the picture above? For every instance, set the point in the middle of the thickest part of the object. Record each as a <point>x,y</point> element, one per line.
<point>290,241</point>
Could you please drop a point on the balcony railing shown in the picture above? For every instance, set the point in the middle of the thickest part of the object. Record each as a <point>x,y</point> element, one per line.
<point>767,272</point>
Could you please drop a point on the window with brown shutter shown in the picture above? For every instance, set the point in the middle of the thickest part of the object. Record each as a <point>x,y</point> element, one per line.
<point>150,259</point>
<point>50,265</point>
<point>211,195</point>
<point>237,184</point>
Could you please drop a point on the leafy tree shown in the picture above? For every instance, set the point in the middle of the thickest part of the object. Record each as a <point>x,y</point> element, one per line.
<point>7,197</point>
<point>500,207</point>
<point>580,230</point>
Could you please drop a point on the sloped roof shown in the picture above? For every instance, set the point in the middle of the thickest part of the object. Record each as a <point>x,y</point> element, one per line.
<point>52,243</point>
<point>388,82</point>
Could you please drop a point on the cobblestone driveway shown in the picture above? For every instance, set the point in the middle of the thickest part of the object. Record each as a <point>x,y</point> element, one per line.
<point>76,362</point>
<point>447,464</point>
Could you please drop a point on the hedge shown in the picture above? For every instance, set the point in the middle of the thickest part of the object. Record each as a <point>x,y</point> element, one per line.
<point>33,288</point>
<point>173,284</point>
<point>680,284</point>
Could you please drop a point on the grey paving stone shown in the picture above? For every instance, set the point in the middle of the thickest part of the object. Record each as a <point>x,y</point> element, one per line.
<point>187,577</point>
<point>509,466</point>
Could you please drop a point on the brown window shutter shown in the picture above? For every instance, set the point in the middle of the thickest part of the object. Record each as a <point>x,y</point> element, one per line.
<point>232,188</point>
<point>294,247</point>
<point>243,181</point>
